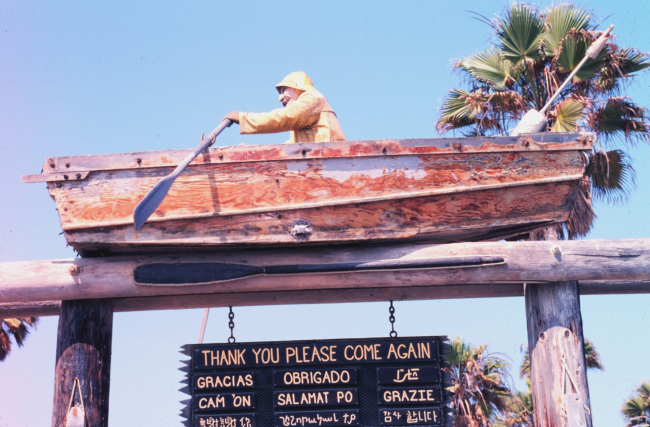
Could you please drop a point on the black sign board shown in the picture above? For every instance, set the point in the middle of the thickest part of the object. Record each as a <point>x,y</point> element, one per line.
<point>334,383</point>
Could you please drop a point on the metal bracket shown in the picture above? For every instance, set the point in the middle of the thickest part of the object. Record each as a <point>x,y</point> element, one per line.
<point>301,229</point>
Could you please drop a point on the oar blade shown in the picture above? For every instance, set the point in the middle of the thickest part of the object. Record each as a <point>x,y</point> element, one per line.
<point>151,201</point>
<point>192,273</point>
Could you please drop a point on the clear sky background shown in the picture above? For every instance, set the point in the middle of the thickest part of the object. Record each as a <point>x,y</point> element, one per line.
<point>107,77</point>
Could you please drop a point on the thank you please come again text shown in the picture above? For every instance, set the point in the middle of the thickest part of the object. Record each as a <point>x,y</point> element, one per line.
<point>362,382</point>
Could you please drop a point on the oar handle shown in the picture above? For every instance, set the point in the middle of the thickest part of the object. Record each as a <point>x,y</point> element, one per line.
<point>205,143</point>
<point>592,52</point>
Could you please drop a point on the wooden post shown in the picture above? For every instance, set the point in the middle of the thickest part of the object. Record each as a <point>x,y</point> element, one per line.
<point>83,351</point>
<point>556,345</point>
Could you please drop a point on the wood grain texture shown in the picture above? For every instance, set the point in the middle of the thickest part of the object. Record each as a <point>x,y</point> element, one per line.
<point>112,277</point>
<point>350,192</point>
<point>472,216</point>
<point>83,351</point>
<point>556,343</point>
<point>243,153</point>
<point>324,296</point>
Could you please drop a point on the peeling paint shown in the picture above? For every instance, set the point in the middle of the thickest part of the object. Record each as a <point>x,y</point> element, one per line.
<point>344,169</point>
<point>297,166</point>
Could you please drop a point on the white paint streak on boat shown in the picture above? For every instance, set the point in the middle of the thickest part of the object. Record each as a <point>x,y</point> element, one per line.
<point>344,169</point>
<point>297,166</point>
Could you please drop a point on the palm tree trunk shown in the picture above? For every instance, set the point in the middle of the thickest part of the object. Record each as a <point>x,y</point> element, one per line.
<point>556,343</point>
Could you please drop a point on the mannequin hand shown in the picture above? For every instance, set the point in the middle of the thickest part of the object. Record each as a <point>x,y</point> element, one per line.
<point>233,116</point>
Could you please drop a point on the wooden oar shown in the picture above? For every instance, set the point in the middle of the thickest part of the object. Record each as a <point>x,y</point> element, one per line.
<point>187,273</point>
<point>154,198</point>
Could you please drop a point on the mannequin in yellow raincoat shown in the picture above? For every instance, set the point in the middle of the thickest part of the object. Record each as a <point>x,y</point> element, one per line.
<point>306,114</point>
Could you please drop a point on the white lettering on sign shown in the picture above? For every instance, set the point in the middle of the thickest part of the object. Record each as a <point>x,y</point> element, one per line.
<point>212,402</point>
<point>267,355</point>
<point>316,377</point>
<point>224,357</point>
<point>421,350</point>
<point>303,398</point>
<point>409,395</point>
<point>362,352</point>
<point>309,354</point>
<point>409,375</point>
<point>317,419</point>
<point>225,381</point>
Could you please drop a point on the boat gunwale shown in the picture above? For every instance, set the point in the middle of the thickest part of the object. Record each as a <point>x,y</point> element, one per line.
<point>341,202</point>
<point>507,144</point>
<point>200,242</point>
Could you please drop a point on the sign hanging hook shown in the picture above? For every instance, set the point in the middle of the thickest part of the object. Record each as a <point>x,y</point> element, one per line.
<point>231,325</point>
<point>391,318</point>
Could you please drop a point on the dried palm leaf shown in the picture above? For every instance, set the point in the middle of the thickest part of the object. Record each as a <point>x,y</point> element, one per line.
<point>612,175</point>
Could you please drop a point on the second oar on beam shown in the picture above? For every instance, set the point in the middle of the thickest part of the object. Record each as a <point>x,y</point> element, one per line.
<point>170,274</point>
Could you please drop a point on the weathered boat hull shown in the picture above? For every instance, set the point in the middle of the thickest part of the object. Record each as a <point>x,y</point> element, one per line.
<point>330,193</point>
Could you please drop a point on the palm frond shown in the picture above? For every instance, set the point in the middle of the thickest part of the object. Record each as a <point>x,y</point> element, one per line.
<point>618,69</point>
<point>489,67</point>
<point>644,390</point>
<point>632,61</point>
<point>620,117</point>
<point>524,369</point>
<point>612,175</point>
<point>573,50</point>
<point>519,412</point>
<point>16,327</point>
<point>508,103</point>
<point>5,343</point>
<point>560,20</point>
<point>480,390</point>
<point>634,407</point>
<point>637,408</point>
<point>456,112</point>
<point>592,358</point>
<point>581,216</point>
<point>462,109</point>
<point>567,115</point>
<point>520,33</point>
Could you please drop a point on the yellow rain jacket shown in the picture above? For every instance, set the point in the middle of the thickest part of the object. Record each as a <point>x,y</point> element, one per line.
<point>309,118</point>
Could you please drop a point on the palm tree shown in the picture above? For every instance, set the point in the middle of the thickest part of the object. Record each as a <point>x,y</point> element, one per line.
<point>480,390</point>
<point>532,53</point>
<point>520,412</point>
<point>637,409</point>
<point>16,327</point>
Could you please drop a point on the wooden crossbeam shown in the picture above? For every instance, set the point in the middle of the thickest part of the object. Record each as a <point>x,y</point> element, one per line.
<point>315,275</point>
<point>322,296</point>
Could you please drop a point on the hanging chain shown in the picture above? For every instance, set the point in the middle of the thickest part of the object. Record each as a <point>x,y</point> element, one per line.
<point>391,318</point>
<point>231,325</point>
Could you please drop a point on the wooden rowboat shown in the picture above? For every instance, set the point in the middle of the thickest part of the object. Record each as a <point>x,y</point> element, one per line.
<point>440,190</point>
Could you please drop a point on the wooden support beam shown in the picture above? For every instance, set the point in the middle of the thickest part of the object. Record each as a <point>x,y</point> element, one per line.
<point>83,362</point>
<point>322,296</point>
<point>378,267</point>
<point>557,360</point>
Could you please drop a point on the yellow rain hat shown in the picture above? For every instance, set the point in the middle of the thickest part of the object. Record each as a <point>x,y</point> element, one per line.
<point>297,80</point>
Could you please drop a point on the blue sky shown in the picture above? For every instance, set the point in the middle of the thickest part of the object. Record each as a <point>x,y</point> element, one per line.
<point>107,77</point>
